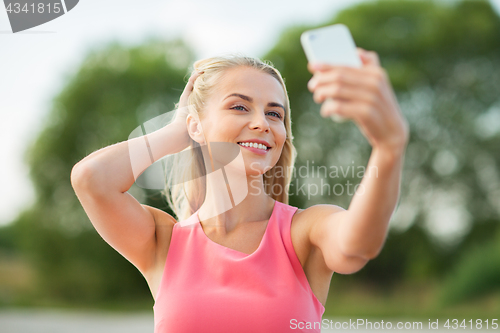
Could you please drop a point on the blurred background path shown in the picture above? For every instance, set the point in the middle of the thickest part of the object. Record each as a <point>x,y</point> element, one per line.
<point>52,321</point>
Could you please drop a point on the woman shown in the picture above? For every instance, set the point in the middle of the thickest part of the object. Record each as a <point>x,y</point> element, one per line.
<point>223,273</point>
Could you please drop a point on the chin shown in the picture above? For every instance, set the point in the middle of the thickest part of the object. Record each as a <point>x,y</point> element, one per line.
<point>256,168</point>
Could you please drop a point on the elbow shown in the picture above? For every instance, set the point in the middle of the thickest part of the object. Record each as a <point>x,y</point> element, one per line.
<point>80,175</point>
<point>75,176</point>
<point>365,255</point>
<point>360,252</point>
<point>373,252</point>
<point>370,255</point>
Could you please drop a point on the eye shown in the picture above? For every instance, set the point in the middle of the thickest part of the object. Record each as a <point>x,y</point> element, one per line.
<point>278,115</point>
<point>242,108</point>
<point>239,106</point>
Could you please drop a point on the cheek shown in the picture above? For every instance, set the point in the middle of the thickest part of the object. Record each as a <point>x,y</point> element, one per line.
<point>229,130</point>
<point>222,129</point>
<point>280,134</point>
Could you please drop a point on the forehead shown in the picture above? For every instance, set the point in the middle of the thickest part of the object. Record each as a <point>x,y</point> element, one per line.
<point>251,82</point>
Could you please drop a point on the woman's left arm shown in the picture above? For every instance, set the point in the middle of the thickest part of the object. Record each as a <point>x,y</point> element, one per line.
<point>365,96</point>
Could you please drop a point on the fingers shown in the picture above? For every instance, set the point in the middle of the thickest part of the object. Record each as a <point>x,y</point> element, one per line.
<point>190,83</point>
<point>312,67</point>
<point>346,109</point>
<point>347,75</point>
<point>194,76</point>
<point>344,92</point>
<point>368,58</point>
<point>348,83</point>
<point>189,87</point>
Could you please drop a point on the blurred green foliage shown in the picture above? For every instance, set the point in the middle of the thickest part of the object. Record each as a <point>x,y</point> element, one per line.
<point>477,274</point>
<point>115,89</point>
<point>443,60</point>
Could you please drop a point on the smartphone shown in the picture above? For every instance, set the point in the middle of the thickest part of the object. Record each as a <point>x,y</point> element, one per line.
<point>332,45</point>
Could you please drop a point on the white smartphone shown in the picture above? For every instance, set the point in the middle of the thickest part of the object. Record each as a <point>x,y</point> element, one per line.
<point>332,45</point>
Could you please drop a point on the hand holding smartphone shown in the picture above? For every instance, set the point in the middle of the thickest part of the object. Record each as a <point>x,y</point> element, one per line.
<point>332,45</point>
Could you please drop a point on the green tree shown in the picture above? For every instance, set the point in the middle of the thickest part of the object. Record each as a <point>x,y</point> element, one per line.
<point>115,90</point>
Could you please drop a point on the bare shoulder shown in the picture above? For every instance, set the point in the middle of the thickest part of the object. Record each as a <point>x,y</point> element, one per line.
<point>319,210</point>
<point>311,257</point>
<point>303,222</point>
<point>316,231</point>
<point>305,218</point>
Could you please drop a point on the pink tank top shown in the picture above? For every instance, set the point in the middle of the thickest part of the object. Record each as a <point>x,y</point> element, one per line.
<point>207,287</point>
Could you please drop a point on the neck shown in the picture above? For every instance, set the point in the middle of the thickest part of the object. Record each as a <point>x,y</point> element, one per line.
<point>227,207</point>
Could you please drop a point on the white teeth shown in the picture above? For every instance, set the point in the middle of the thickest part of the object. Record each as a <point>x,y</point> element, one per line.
<point>253,145</point>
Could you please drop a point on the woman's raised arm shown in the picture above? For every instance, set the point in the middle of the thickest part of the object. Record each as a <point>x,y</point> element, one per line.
<point>365,96</point>
<point>102,179</point>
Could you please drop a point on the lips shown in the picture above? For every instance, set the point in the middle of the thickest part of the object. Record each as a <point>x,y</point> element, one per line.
<point>265,143</point>
<point>257,150</point>
<point>254,145</point>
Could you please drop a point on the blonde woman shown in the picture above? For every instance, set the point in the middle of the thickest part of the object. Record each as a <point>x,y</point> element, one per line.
<point>238,258</point>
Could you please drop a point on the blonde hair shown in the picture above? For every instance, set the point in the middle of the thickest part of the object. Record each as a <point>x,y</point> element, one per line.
<point>185,186</point>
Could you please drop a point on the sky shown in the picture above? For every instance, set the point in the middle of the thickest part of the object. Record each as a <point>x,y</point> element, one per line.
<point>34,63</point>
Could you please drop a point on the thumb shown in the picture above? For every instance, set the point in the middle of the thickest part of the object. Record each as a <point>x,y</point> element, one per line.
<point>368,58</point>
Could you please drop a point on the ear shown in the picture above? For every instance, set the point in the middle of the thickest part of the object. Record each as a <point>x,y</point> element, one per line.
<point>194,129</point>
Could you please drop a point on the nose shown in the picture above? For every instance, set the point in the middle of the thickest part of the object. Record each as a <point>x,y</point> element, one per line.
<point>259,122</point>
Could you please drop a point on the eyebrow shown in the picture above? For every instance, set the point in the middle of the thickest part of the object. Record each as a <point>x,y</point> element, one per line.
<point>250,99</point>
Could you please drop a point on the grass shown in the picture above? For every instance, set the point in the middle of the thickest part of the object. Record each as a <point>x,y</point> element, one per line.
<point>417,301</point>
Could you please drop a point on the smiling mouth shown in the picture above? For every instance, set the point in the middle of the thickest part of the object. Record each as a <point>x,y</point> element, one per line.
<point>254,145</point>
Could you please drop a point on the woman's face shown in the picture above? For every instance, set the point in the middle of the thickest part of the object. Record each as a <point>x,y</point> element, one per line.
<point>248,106</point>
